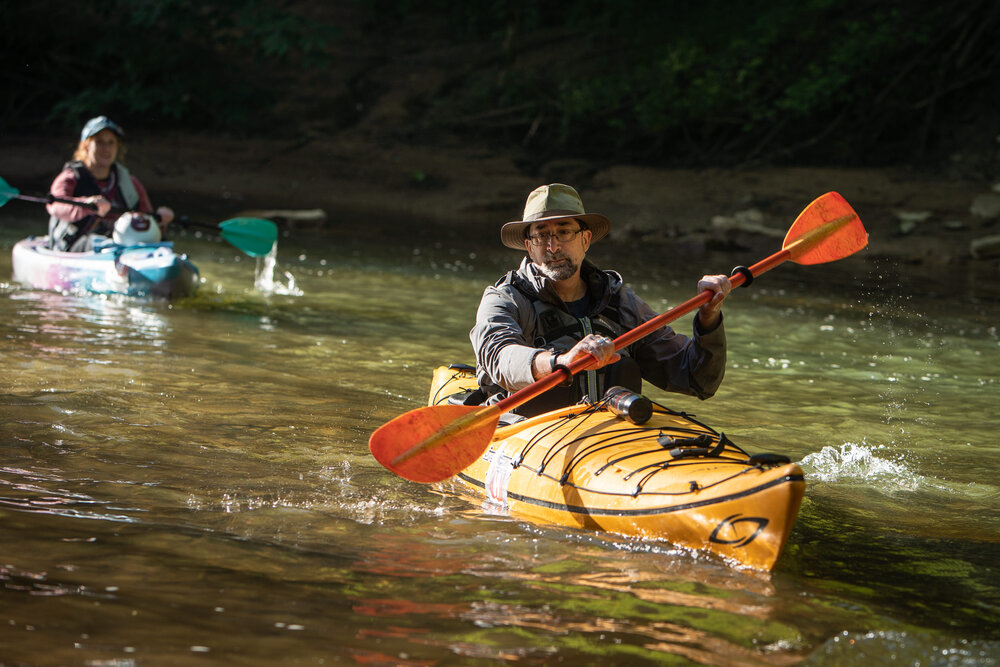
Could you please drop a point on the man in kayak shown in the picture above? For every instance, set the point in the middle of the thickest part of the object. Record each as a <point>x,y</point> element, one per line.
<point>558,306</point>
<point>95,177</point>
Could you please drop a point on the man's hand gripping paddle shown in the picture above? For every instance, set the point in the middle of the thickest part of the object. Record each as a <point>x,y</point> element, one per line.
<point>434,443</point>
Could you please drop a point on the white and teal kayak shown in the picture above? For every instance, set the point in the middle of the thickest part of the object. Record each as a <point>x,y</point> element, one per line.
<point>139,270</point>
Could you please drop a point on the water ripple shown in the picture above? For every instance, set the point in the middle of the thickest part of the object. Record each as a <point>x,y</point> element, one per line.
<point>29,494</point>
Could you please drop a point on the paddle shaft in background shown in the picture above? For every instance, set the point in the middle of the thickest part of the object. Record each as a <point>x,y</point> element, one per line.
<point>8,192</point>
<point>254,236</point>
<point>51,199</point>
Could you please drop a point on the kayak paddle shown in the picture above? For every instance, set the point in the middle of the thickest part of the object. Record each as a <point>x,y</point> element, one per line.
<point>8,192</point>
<point>254,236</point>
<point>433,443</point>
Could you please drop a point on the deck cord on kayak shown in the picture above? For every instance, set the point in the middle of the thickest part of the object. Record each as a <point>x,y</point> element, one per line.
<point>631,434</point>
<point>459,369</point>
<point>611,441</point>
<point>694,486</point>
<point>566,439</point>
<point>704,435</point>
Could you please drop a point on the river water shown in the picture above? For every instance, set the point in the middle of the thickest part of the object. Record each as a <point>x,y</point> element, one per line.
<point>190,483</point>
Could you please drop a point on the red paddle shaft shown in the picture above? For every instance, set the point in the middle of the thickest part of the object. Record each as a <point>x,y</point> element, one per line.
<point>562,374</point>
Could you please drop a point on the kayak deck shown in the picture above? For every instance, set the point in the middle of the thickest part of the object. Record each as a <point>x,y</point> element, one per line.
<point>671,478</point>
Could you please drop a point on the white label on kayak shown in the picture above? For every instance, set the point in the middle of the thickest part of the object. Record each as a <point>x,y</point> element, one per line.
<point>497,478</point>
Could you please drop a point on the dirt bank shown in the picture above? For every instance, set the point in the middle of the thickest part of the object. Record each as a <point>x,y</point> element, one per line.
<point>918,219</point>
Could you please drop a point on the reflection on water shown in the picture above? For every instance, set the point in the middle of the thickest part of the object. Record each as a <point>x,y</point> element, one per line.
<point>190,482</point>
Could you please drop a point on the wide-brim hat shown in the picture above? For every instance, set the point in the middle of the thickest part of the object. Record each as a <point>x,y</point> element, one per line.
<point>553,202</point>
<point>98,123</point>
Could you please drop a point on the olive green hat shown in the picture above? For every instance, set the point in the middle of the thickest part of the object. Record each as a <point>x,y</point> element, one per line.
<point>553,202</point>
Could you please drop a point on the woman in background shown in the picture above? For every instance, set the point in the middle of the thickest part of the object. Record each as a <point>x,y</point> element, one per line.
<point>95,177</point>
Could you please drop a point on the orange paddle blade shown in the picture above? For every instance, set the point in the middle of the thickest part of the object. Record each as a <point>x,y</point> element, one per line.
<point>827,230</point>
<point>434,443</point>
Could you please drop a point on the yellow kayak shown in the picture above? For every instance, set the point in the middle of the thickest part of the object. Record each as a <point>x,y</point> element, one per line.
<point>631,467</point>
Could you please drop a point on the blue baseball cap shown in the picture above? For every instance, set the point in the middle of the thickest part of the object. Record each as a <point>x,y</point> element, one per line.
<point>95,125</point>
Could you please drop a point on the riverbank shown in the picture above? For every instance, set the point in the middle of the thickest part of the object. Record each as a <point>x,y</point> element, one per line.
<point>366,180</point>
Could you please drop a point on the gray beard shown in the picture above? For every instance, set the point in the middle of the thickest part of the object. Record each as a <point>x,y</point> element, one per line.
<point>560,272</point>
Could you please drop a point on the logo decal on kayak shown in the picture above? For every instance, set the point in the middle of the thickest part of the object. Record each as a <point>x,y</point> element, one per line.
<point>497,478</point>
<point>738,532</point>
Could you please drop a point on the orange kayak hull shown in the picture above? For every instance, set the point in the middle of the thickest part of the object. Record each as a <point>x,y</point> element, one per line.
<point>670,478</point>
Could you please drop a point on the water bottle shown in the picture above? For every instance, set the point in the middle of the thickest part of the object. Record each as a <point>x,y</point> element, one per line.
<point>628,405</point>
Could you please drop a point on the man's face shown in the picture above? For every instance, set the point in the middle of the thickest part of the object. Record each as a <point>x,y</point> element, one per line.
<point>558,260</point>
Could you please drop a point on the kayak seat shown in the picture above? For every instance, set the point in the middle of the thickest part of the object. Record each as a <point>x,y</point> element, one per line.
<point>477,397</point>
<point>469,397</point>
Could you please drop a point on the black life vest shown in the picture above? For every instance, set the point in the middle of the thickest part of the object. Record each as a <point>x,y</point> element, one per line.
<point>558,330</point>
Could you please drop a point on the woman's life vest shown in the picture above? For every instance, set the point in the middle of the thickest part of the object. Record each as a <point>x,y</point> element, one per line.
<point>119,190</point>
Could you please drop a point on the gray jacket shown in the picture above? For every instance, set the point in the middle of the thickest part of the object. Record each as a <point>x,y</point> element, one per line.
<point>508,335</point>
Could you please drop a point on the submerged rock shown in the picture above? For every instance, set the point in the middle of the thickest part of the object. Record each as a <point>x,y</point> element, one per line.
<point>913,216</point>
<point>750,220</point>
<point>985,247</point>
<point>986,206</point>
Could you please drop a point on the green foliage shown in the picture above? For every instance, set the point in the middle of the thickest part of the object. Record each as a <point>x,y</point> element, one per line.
<point>204,65</point>
<point>715,82</point>
<point>645,80</point>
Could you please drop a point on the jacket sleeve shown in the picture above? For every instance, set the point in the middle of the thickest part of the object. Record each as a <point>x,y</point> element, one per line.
<point>503,350</point>
<point>63,187</point>
<point>672,361</point>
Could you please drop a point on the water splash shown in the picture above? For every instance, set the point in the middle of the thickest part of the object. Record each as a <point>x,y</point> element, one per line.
<point>264,281</point>
<point>860,463</point>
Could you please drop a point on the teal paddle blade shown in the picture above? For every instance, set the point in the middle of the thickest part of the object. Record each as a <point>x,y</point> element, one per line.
<point>254,236</point>
<point>7,192</point>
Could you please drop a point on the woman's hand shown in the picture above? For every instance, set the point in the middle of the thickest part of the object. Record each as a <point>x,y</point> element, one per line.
<point>102,204</point>
<point>165,215</point>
